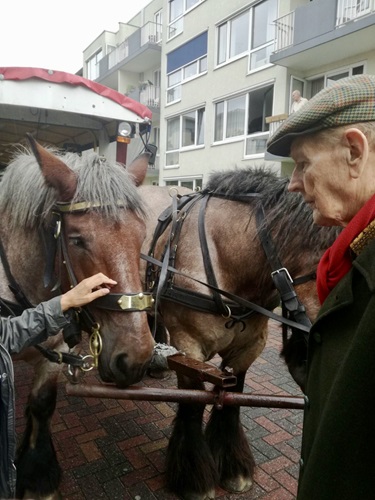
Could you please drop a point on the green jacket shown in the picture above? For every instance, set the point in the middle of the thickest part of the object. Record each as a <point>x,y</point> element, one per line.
<point>338,444</point>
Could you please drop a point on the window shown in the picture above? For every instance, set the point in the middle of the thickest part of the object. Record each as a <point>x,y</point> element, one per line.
<point>244,116</point>
<point>262,33</point>
<point>194,184</point>
<point>233,37</point>
<point>260,103</point>
<point>251,32</point>
<point>259,106</point>
<point>230,118</point>
<point>177,9</point>
<point>186,62</point>
<point>185,131</point>
<point>158,19</point>
<point>92,65</point>
<point>317,84</point>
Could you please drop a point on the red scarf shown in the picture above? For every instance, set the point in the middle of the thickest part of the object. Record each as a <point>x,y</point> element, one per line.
<point>337,260</point>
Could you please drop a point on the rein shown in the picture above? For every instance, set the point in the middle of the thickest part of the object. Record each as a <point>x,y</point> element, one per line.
<point>238,309</point>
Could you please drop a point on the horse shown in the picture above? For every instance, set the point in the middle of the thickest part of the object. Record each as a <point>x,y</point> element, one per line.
<point>65,217</point>
<point>200,253</point>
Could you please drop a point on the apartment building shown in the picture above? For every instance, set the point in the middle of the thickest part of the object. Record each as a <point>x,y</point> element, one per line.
<point>218,76</point>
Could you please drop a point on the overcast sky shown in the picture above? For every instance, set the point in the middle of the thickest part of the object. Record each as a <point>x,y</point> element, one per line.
<point>53,35</point>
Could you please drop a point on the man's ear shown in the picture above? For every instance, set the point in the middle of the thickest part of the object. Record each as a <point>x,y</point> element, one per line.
<point>358,151</point>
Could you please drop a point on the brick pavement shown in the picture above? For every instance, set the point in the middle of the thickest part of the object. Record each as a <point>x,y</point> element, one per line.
<point>115,449</point>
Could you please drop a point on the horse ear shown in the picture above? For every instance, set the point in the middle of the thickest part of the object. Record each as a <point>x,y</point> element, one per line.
<point>56,173</point>
<point>138,168</point>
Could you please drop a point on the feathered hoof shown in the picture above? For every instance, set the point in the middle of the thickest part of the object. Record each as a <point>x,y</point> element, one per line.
<point>199,496</point>
<point>238,484</point>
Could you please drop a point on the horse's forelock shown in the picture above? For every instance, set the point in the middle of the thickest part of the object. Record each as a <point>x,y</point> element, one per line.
<point>25,195</point>
<point>107,183</point>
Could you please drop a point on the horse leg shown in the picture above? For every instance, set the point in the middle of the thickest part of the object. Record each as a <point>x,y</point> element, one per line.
<point>229,446</point>
<point>38,472</point>
<point>191,472</point>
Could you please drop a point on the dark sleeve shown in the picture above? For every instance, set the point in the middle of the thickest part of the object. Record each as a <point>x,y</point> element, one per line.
<point>33,326</point>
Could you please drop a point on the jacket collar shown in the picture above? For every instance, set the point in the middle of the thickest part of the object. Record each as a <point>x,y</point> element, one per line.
<point>342,294</point>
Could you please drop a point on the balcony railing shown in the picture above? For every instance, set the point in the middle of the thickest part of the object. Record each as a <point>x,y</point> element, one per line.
<point>275,121</point>
<point>284,31</point>
<point>150,96</point>
<point>347,10</point>
<point>150,33</point>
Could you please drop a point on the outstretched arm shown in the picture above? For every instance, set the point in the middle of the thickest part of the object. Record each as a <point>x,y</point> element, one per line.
<point>36,324</point>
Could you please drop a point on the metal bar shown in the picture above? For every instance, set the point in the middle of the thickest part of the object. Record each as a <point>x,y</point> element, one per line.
<point>201,371</point>
<point>217,398</point>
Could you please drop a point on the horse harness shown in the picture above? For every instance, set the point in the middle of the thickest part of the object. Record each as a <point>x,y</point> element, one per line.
<point>160,274</point>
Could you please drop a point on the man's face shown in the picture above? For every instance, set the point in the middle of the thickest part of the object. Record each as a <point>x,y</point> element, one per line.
<point>296,95</point>
<point>322,176</point>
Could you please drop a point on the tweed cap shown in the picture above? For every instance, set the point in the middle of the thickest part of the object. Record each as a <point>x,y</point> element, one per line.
<point>349,100</point>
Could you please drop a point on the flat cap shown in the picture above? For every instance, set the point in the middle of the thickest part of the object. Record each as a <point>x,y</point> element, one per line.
<point>349,100</point>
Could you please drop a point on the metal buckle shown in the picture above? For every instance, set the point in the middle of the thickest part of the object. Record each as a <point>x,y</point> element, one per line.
<point>140,301</point>
<point>278,271</point>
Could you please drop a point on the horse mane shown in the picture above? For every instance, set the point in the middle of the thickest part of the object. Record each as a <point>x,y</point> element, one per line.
<point>25,195</point>
<point>287,216</point>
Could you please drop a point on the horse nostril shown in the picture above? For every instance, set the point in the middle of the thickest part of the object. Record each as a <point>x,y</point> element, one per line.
<point>122,363</point>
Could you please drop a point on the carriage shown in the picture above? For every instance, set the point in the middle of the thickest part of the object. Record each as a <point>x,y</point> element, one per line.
<point>210,267</point>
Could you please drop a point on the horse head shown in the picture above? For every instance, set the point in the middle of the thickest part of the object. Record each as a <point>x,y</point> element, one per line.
<point>99,221</point>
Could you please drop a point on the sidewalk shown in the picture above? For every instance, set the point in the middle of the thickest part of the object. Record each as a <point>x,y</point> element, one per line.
<point>115,449</point>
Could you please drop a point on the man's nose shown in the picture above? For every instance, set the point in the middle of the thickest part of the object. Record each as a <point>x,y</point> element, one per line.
<point>296,181</point>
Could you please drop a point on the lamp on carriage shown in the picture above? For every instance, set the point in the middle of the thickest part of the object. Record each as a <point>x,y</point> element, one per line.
<point>125,132</point>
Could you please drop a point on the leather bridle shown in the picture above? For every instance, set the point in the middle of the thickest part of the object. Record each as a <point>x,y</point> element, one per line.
<point>235,308</point>
<point>118,302</point>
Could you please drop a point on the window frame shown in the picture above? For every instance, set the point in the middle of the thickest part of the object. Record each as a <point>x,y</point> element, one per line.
<point>176,25</point>
<point>92,65</point>
<point>352,69</point>
<point>199,121</point>
<point>246,137</point>
<point>251,51</point>
<point>181,70</point>
<point>197,182</point>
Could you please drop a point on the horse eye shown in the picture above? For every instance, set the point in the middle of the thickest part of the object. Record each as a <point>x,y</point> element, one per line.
<point>77,241</point>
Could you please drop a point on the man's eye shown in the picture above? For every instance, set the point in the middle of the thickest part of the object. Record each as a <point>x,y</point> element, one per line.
<point>301,166</point>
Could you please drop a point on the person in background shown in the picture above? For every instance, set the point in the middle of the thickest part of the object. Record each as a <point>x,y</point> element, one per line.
<point>332,143</point>
<point>16,333</point>
<point>297,101</point>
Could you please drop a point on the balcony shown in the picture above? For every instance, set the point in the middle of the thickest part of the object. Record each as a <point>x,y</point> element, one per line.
<point>148,94</point>
<point>307,39</point>
<point>138,53</point>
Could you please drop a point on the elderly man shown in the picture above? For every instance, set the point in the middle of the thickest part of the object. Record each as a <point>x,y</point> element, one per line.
<point>297,101</point>
<point>332,143</point>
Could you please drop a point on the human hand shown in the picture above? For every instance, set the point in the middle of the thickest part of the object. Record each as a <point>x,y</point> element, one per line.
<point>86,291</point>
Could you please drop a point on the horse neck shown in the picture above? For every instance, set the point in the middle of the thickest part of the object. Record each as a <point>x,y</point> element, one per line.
<point>237,256</point>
